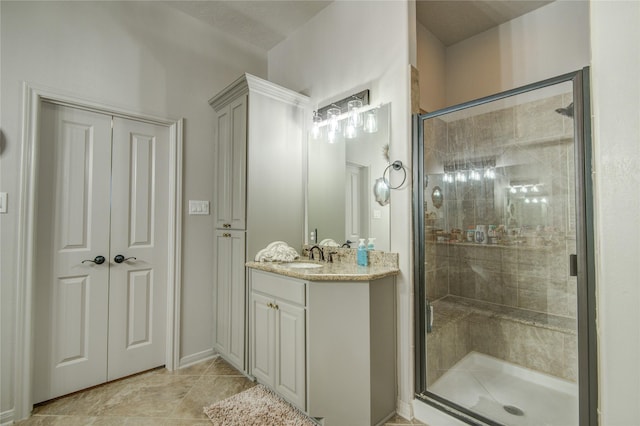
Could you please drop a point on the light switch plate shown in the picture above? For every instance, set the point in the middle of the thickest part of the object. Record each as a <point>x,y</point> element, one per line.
<point>3,202</point>
<point>198,207</point>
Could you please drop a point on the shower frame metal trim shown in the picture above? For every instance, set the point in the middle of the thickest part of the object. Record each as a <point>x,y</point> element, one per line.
<point>585,244</point>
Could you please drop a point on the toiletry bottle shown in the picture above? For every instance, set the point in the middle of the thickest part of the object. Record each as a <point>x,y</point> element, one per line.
<point>371,245</point>
<point>362,253</point>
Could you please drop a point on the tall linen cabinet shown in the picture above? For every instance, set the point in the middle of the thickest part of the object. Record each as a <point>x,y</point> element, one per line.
<point>259,194</point>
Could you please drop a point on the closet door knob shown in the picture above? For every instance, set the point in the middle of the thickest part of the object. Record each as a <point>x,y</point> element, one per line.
<point>120,258</point>
<point>98,260</point>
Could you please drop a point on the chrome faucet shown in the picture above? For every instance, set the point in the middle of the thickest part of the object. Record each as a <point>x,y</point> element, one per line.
<point>319,251</point>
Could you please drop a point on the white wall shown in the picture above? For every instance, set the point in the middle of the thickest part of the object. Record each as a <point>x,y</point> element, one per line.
<point>547,42</point>
<point>141,56</point>
<point>615,41</point>
<point>354,45</point>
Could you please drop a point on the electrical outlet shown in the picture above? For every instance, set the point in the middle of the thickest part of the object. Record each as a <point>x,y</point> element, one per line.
<point>3,202</point>
<point>198,207</point>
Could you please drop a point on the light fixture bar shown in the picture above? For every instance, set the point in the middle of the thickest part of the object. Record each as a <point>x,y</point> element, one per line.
<point>342,103</point>
<point>470,165</point>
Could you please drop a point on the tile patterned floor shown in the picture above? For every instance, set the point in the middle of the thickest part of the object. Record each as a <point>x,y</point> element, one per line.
<point>157,397</point>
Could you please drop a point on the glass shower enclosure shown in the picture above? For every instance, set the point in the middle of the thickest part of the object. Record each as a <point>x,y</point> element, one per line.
<point>504,285</point>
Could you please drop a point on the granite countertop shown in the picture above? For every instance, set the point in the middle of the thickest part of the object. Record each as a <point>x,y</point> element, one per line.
<point>338,271</point>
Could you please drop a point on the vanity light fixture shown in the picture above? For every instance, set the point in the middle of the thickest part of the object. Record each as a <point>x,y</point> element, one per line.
<point>470,170</point>
<point>354,110</point>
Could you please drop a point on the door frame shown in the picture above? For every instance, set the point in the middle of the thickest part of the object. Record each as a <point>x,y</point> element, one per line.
<point>32,97</point>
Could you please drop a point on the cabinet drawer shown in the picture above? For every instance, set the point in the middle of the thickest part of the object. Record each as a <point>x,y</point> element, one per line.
<point>279,287</point>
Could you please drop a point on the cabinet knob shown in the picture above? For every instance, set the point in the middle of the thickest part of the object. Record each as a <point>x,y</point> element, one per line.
<point>226,234</point>
<point>226,225</point>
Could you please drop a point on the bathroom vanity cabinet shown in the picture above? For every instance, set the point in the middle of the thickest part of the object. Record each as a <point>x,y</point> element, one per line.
<point>326,346</point>
<point>259,127</point>
<point>277,334</point>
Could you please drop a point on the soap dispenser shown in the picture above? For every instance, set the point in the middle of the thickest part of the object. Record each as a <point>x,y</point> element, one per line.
<point>362,253</point>
<point>371,245</point>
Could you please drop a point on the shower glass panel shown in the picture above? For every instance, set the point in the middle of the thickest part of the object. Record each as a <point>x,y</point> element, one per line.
<point>498,234</point>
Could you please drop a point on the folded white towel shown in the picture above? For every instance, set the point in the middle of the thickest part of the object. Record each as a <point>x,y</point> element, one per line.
<point>329,242</point>
<point>277,251</point>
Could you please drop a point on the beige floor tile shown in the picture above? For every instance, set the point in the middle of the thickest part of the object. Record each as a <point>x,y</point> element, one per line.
<point>81,403</point>
<point>193,370</point>
<point>220,367</point>
<point>156,397</point>
<point>206,391</point>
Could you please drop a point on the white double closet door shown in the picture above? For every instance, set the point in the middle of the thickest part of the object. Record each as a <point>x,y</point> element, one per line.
<point>102,192</point>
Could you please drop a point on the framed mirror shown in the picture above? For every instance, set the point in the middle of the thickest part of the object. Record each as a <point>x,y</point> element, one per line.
<point>341,176</point>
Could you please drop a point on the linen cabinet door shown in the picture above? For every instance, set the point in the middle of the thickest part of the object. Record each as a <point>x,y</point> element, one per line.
<point>231,160</point>
<point>290,353</point>
<point>262,336</point>
<point>230,296</point>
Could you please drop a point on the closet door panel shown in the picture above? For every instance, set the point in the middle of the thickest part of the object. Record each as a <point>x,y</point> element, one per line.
<point>139,241</point>
<point>71,290</point>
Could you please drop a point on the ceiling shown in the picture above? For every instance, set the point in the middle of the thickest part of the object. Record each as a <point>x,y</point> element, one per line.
<point>452,21</point>
<point>265,23</point>
<point>262,23</point>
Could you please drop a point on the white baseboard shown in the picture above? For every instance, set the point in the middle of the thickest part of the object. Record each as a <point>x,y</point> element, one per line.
<point>6,418</point>
<point>404,409</point>
<point>196,358</point>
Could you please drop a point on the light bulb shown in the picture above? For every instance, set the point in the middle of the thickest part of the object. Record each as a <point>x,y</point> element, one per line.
<point>350,130</point>
<point>332,117</point>
<point>331,136</point>
<point>371,121</point>
<point>490,173</point>
<point>355,116</point>
<point>315,129</point>
<point>513,190</point>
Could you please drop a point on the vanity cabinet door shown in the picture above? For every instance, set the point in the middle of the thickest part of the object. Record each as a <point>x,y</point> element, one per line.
<point>290,353</point>
<point>262,338</point>
<point>231,160</point>
<point>230,296</point>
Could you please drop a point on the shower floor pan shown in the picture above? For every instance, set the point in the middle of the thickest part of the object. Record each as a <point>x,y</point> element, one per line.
<point>509,394</point>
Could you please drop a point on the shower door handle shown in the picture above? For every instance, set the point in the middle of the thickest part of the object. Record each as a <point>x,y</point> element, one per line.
<point>573,265</point>
<point>429,317</point>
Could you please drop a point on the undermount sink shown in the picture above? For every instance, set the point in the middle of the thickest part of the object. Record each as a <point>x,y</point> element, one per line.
<point>302,265</point>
